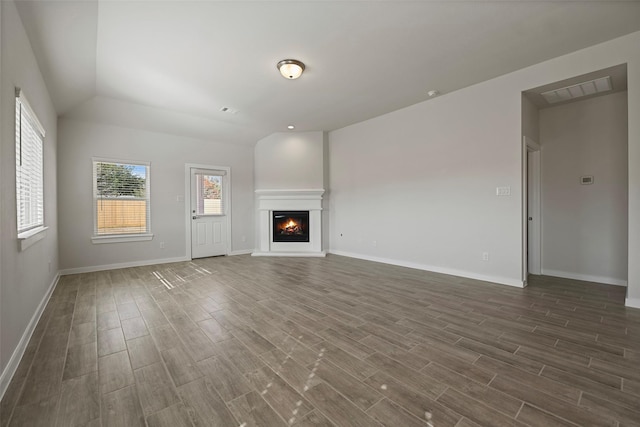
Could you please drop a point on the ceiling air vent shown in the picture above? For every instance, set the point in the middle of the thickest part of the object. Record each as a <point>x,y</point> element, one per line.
<point>577,91</point>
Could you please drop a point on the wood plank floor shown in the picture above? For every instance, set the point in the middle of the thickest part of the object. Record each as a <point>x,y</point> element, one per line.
<point>242,341</point>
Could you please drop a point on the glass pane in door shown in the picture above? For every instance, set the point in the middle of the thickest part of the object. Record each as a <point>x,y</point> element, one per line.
<point>209,194</point>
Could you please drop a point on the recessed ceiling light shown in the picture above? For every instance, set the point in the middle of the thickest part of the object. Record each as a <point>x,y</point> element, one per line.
<point>433,93</point>
<point>291,127</point>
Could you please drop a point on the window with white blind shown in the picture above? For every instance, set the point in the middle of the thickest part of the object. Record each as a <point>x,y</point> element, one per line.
<point>29,169</point>
<point>121,201</point>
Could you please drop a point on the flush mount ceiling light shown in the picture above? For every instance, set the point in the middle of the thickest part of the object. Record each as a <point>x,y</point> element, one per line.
<point>290,68</point>
<point>291,127</point>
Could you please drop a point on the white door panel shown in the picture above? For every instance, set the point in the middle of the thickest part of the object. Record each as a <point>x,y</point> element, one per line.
<point>217,233</point>
<point>208,213</point>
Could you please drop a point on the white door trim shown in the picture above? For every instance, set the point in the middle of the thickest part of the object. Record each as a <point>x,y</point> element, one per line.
<point>187,202</point>
<point>535,254</point>
<point>529,145</point>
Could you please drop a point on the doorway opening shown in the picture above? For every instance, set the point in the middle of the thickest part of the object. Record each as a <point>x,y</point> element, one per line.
<point>575,191</point>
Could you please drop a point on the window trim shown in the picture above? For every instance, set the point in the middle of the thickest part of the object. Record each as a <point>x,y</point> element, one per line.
<point>122,238</point>
<point>31,236</point>
<point>34,232</point>
<point>125,237</point>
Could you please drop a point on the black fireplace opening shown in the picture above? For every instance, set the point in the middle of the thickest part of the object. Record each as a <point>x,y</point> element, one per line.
<point>290,226</point>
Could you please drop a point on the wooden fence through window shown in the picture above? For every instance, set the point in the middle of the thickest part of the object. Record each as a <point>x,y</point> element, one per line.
<point>121,216</point>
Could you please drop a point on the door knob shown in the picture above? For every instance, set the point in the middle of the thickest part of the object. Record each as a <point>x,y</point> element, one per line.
<point>530,219</point>
<point>194,217</point>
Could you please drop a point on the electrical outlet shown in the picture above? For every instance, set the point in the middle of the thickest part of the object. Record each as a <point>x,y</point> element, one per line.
<point>49,266</point>
<point>375,243</point>
<point>162,245</point>
<point>485,256</point>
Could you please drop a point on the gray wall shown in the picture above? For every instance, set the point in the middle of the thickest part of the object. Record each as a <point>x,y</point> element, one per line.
<point>584,231</point>
<point>80,141</point>
<point>286,161</point>
<point>417,186</point>
<point>25,277</point>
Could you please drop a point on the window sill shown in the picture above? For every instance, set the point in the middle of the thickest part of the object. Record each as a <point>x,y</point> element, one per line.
<point>29,237</point>
<point>96,240</point>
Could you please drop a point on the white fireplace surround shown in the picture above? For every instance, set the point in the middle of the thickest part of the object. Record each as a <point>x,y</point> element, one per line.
<point>289,200</point>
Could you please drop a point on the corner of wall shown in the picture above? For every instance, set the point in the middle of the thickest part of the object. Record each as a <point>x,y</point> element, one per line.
<point>326,167</point>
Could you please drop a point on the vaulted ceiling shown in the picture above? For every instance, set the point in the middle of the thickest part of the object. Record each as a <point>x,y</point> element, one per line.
<point>171,66</point>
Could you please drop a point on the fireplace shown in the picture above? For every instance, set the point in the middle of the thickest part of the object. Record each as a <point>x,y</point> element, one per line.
<point>291,226</point>
<point>289,223</point>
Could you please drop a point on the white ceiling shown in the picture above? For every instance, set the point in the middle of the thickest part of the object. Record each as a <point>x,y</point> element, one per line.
<point>170,66</point>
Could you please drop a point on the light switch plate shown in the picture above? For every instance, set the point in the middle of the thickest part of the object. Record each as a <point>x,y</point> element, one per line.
<point>503,191</point>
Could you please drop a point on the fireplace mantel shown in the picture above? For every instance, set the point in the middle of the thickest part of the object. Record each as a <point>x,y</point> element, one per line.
<point>311,194</point>
<point>289,200</point>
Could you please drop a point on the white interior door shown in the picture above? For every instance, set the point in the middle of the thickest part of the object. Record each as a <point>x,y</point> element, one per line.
<point>534,212</point>
<point>208,213</point>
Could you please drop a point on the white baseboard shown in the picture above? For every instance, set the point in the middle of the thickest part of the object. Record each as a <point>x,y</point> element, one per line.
<point>450,271</point>
<point>632,302</point>
<point>16,357</point>
<point>93,268</point>
<point>241,252</point>
<point>105,267</point>
<point>320,254</point>
<point>585,277</point>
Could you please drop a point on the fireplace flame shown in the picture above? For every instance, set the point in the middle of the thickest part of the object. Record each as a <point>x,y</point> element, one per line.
<point>290,227</point>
